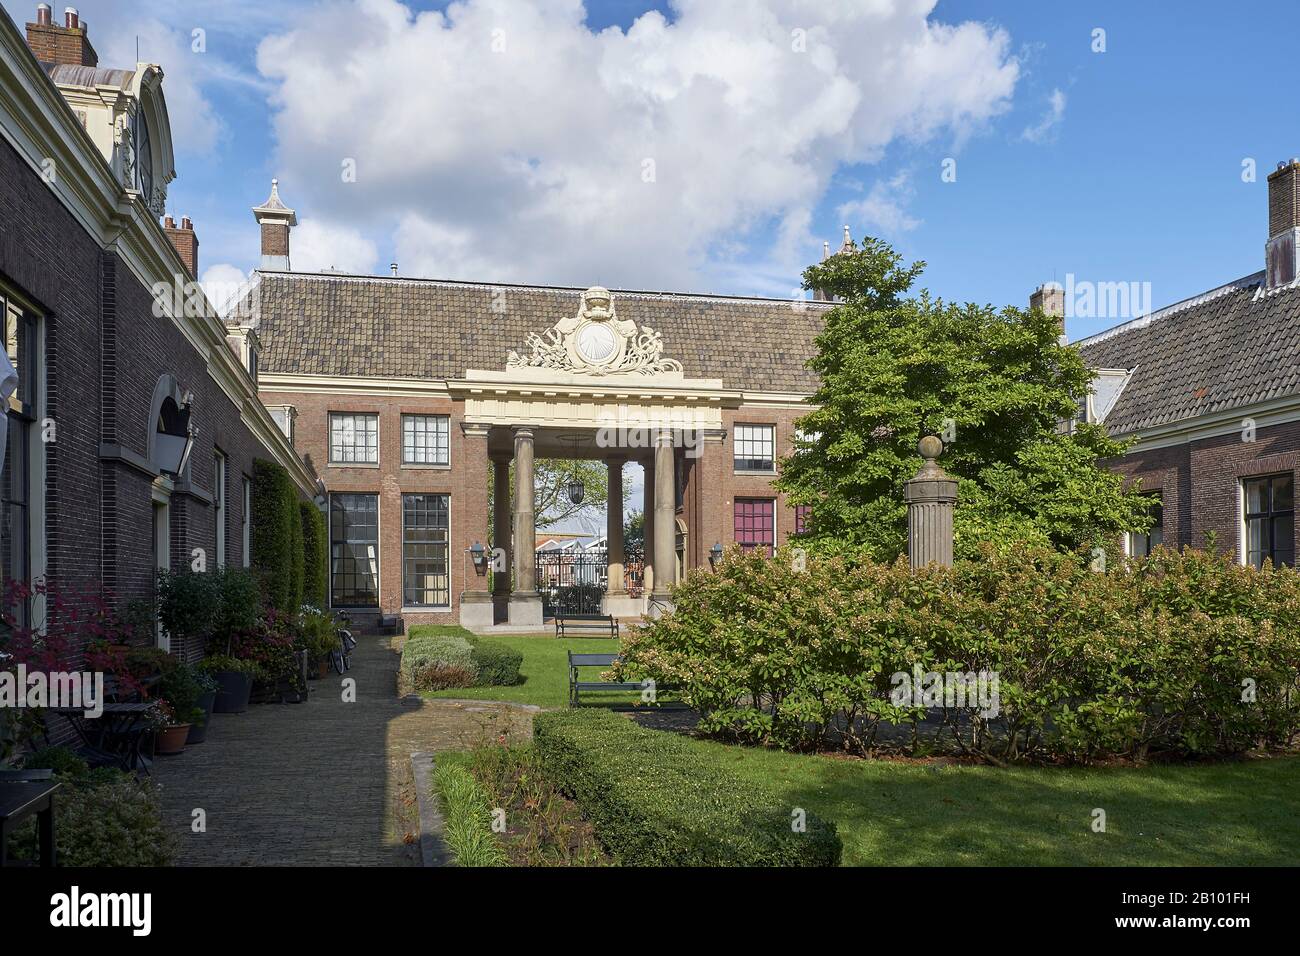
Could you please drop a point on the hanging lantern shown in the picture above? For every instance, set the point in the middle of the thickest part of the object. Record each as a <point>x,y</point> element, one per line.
<point>577,491</point>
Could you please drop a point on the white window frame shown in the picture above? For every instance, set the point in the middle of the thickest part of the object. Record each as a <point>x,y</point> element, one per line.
<point>736,439</point>
<point>219,503</point>
<point>343,463</point>
<point>445,421</point>
<point>379,551</point>
<point>451,567</point>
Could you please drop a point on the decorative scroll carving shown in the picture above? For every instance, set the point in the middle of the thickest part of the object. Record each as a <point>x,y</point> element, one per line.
<point>596,342</point>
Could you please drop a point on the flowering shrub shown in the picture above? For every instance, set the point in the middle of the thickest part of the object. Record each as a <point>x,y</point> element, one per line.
<point>1184,652</point>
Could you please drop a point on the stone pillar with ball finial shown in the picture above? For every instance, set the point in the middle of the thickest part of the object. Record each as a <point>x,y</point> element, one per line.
<point>931,497</point>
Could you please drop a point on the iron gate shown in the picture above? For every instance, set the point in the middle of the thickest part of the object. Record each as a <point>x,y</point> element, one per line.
<point>575,581</point>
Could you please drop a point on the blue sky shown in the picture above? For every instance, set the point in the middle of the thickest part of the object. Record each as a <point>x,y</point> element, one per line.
<point>1124,165</point>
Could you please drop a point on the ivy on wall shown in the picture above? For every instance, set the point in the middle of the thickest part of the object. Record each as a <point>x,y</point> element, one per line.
<point>313,551</point>
<point>277,555</point>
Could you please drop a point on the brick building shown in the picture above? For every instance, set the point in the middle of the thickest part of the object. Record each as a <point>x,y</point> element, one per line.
<point>1209,391</point>
<point>132,431</point>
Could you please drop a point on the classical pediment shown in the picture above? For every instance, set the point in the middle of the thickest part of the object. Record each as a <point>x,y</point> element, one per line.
<point>596,342</point>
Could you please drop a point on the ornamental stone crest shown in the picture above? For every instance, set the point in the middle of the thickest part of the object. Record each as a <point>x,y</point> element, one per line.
<point>596,342</point>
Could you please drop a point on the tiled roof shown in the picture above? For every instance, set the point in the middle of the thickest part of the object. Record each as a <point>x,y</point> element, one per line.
<point>326,324</point>
<point>1229,348</point>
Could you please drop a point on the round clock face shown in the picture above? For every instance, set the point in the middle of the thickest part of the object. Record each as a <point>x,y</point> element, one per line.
<point>597,343</point>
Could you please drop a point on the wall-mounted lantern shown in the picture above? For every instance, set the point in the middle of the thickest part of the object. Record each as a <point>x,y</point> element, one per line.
<point>715,554</point>
<point>478,555</point>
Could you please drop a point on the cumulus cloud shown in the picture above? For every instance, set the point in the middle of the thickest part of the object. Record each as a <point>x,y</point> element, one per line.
<point>1045,130</point>
<point>505,140</point>
<point>883,211</point>
<point>222,283</point>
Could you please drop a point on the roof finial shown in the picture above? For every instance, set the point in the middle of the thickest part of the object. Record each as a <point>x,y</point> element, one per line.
<point>848,239</point>
<point>826,250</point>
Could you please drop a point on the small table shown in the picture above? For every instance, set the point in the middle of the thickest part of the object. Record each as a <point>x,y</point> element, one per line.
<point>116,736</point>
<point>18,801</point>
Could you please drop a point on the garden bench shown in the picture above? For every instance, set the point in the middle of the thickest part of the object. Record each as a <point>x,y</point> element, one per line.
<point>576,686</point>
<point>602,624</point>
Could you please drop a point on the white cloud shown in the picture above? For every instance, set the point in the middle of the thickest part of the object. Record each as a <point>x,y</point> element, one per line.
<point>660,156</point>
<point>317,245</point>
<point>1045,130</point>
<point>883,211</point>
<point>221,283</point>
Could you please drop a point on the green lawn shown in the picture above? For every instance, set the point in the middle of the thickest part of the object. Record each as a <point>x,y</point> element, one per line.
<point>889,813</point>
<point>545,672</point>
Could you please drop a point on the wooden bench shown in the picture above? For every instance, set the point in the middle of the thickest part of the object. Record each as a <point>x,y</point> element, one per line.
<point>576,685</point>
<point>588,624</point>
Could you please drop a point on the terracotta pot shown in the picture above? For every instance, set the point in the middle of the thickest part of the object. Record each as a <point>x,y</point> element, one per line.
<point>171,740</point>
<point>322,668</point>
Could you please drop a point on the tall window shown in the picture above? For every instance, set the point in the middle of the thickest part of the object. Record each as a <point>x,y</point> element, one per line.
<point>755,448</point>
<point>354,438</point>
<point>1270,520</point>
<point>755,523</point>
<point>426,577</point>
<point>1140,544</point>
<point>425,440</point>
<point>248,521</point>
<point>354,550</point>
<point>219,504</point>
<point>19,527</point>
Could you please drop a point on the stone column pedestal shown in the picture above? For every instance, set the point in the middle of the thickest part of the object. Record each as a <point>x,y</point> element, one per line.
<point>931,497</point>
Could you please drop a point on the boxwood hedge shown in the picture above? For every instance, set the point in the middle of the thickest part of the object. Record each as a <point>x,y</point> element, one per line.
<point>656,799</point>
<point>436,658</point>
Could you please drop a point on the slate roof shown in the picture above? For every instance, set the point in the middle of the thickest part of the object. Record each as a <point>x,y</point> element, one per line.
<point>332,324</point>
<point>1229,348</point>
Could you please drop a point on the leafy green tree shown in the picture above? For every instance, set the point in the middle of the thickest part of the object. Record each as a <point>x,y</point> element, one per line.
<point>996,385</point>
<point>551,504</point>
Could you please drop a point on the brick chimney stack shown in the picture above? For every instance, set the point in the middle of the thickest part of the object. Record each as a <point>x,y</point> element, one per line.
<point>67,44</point>
<point>185,242</point>
<point>1050,297</point>
<point>1282,252</point>
<point>276,219</point>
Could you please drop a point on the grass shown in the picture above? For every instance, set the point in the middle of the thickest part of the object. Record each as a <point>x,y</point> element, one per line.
<point>888,813</point>
<point>545,671</point>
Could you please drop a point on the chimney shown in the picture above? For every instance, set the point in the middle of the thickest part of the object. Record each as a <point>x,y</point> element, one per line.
<point>1281,252</point>
<point>1050,298</point>
<point>67,44</point>
<point>185,242</point>
<point>276,219</point>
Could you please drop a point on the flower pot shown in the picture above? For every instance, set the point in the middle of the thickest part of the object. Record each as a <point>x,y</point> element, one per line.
<point>233,689</point>
<point>199,732</point>
<point>171,740</point>
<point>322,669</point>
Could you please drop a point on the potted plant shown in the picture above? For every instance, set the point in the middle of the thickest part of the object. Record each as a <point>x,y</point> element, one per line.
<point>207,701</point>
<point>234,678</point>
<point>178,691</point>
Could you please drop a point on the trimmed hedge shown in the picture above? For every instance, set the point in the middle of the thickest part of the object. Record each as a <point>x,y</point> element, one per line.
<point>313,551</point>
<point>275,520</point>
<point>656,799</point>
<point>436,658</point>
<point>1184,652</point>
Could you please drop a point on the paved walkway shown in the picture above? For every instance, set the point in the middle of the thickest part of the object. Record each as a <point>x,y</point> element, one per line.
<point>322,783</point>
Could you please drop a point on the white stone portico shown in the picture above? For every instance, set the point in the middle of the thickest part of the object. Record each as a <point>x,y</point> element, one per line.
<point>596,387</point>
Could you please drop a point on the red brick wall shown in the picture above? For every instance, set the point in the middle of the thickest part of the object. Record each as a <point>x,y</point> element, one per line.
<point>465,481</point>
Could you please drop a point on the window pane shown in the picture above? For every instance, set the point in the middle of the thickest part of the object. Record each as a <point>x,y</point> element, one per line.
<point>425,439</point>
<point>1257,496</point>
<point>754,524</point>
<point>755,448</point>
<point>354,550</point>
<point>1283,542</point>
<point>1255,541</point>
<point>354,438</point>
<point>1283,497</point>
<point>426,578</point>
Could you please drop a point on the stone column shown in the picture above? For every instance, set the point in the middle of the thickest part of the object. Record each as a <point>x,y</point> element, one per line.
<point>475,599</point>
<point>501,521</point>
<point>648,528</point>
<point>713,518</point>
<point>930,497</point>
<point>616,600</point>
<point>664,514</point>
<point>525,602</point>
